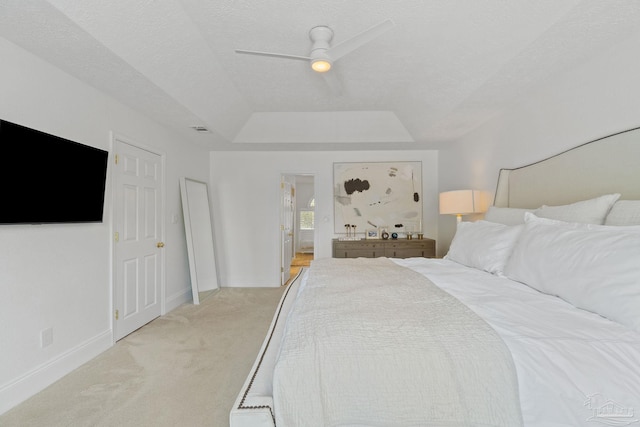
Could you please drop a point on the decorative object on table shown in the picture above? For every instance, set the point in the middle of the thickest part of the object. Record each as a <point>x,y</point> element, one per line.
<point>462,202</point>
<point>409,229</point>
<point>420,236</point>
<point>369,194</point>
<point>394,235</point>
<point>350,232</point>
<point>384,235</point>
<point>372,233</point>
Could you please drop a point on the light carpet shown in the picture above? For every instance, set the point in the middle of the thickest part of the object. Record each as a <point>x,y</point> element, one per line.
<point>182,369</point>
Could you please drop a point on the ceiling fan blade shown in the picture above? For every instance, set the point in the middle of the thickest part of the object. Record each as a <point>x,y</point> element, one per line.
<point>341,49</point>
<point>275,55</point>
<point>333,82</point>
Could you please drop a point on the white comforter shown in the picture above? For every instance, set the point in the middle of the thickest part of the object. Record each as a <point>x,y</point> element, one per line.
<point>574,367</point>
<point>396,352</point>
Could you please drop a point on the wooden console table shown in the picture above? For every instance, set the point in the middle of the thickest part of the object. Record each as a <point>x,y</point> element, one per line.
<point>373,248</point>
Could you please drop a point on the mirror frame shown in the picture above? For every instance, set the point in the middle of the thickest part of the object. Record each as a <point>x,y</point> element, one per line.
<point>199,233</point>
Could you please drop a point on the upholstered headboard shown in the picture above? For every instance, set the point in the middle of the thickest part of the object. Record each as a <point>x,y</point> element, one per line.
<point>607,165</point>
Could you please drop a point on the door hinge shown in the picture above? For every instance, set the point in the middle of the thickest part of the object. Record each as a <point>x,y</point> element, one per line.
<point>117,314</point>
<point>281,227</point>
<point>281,269</point>
<point>116,236</point>
<point>117,158</point>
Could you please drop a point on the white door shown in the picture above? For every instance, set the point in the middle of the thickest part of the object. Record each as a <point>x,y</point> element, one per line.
<point>286,228</point>
<point>138,244</point>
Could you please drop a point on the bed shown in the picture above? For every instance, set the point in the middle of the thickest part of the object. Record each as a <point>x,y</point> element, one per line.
<point>532,318</point>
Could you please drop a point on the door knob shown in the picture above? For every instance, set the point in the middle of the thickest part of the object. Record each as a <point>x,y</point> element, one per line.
<point>160,245</point>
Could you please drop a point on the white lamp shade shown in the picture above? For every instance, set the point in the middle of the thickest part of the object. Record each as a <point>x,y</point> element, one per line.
<point>461,202</point>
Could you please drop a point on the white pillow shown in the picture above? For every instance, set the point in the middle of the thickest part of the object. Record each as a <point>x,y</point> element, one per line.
<point>624,212</point>
<point>483,245</point>
<point>593,267</point>
<point>506,216</point>
<point>592,211</point>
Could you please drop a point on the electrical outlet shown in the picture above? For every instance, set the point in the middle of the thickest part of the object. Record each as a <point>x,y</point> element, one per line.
<point>46,337</point>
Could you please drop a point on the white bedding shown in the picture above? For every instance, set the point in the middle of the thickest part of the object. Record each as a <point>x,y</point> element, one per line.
<point>369,343</point>
<point>575,368</point>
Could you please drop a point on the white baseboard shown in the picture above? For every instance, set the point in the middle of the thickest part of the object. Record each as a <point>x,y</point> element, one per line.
<point>175,300</point>
<point>36,380</point>
<point>20,389</point>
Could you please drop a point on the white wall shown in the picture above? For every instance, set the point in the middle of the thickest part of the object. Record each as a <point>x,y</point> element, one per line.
<point>596,99</point>
<point>59,276</point>
<point>246,208</point>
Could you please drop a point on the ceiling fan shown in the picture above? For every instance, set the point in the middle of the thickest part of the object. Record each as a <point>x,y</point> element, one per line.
<point>322,54</point>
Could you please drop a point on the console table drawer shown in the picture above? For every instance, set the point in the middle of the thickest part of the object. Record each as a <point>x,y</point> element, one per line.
<point>358,253</point>
<point>402,248</point>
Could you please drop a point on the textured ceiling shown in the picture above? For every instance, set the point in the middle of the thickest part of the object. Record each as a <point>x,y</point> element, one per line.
<point>442,70</point>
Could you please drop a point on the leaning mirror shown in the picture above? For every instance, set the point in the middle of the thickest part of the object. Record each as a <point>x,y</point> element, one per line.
<point>199,233</point>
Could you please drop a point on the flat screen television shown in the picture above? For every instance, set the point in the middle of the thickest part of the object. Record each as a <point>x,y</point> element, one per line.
<point>47,179</point>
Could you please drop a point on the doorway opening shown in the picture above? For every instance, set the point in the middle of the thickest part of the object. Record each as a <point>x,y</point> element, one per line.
<point>300,214</point>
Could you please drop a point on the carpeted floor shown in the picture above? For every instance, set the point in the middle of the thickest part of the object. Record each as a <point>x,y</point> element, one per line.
<point>182,369</point>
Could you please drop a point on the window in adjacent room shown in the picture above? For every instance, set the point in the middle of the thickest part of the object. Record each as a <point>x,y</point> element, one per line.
<point>307,216</point>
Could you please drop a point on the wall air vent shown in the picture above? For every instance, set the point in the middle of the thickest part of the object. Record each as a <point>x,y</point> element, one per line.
<point>201,129</point>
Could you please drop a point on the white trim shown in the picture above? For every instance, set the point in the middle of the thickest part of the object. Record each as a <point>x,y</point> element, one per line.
<point>39,378</point>
<point>175,300</point>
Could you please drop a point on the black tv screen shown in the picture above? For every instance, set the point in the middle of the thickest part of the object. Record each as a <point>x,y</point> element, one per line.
<point>48,179</point>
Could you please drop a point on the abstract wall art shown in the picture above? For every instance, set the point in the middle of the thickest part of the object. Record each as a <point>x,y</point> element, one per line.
<point>384,195</point>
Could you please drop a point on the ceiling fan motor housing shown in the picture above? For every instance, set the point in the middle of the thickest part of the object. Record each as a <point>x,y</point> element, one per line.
<point>321,37</point>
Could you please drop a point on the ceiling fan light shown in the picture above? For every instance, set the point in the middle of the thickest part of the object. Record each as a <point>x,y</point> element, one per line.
<point>321,65</point>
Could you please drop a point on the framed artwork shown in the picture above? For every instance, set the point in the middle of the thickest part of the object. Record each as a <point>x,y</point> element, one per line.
<point>371,233</point>
<point>378,194</point>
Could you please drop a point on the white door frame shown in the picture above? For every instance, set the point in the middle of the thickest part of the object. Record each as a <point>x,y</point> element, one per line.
<point>112,226</point>
<point>295,213</point>
<point>285,265</point>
